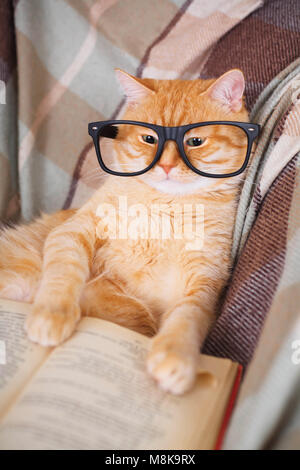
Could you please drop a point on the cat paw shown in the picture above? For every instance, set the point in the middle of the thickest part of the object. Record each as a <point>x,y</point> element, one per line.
<point>174,372</point>
<point>50,326</point>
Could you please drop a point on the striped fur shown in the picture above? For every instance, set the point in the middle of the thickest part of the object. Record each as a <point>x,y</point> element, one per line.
<point>66,266</point>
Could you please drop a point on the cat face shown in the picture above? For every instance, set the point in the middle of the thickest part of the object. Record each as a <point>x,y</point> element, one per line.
<point>212,149</point>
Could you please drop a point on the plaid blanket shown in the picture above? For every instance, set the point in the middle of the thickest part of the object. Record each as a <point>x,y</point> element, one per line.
<point>57,60</point>
<point>263,301</point>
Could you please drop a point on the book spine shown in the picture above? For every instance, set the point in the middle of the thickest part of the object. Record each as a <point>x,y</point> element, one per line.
<point>229,408</point>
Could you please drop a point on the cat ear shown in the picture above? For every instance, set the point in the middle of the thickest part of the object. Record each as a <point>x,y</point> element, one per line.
<point>229,89</point>
<point>135,91</point>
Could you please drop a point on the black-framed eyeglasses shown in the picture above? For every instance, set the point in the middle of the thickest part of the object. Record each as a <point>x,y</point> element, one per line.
<point>216,149</point>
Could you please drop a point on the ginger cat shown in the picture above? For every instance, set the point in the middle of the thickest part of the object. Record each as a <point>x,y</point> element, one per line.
<point>67,267</point>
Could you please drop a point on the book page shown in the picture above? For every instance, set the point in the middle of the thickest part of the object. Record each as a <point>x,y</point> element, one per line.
<point>20,358</point>
<point>93,392</point>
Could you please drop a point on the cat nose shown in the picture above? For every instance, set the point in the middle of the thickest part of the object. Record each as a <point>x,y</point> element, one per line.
<point>169,158</point>
<point>166,168</point>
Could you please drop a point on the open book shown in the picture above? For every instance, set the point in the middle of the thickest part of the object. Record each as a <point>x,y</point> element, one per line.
<point>93,392</point>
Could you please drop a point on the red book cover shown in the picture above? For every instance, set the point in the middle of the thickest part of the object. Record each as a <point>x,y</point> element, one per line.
<point>229,408</point>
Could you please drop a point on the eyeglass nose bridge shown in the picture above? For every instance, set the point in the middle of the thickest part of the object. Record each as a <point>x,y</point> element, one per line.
<point>170,133</point>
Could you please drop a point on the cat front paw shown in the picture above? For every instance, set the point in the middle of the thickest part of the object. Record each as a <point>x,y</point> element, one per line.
<point>50,325</point>
<point>174,371</point>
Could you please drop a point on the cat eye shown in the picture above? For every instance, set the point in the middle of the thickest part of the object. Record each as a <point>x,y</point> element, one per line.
<point>121,150</point>
<point>195,141</point>
<point>149,139</point>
